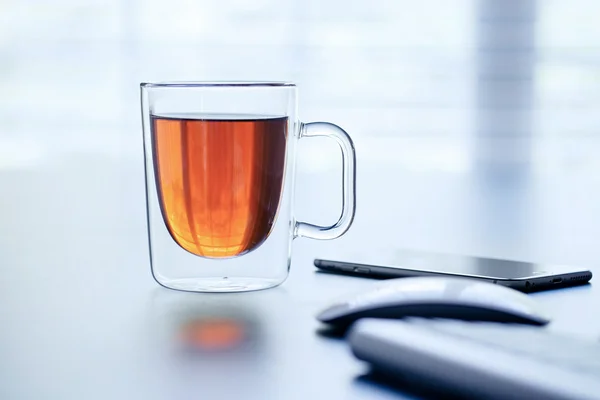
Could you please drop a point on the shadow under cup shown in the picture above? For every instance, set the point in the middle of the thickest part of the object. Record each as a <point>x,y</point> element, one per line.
<point>219,180</point>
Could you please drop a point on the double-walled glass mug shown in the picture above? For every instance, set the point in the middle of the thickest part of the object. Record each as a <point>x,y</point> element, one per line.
<point>220,159</point>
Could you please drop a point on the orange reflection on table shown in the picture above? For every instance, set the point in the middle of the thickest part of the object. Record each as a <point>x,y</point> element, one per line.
<point>213,334</point>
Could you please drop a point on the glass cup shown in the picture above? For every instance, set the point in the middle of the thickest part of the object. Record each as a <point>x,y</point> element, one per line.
<point>220,159</point>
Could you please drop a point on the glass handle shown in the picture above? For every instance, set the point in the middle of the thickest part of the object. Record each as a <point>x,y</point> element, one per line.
<point>303,229</point>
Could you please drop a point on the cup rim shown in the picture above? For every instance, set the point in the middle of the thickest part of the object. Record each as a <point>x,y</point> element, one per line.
<point>197,84</point>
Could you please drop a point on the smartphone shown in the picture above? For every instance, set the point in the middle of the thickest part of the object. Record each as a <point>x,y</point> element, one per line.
<point>523,276</point>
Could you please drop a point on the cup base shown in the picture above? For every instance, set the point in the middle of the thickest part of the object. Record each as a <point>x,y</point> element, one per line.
<point>222,285</point>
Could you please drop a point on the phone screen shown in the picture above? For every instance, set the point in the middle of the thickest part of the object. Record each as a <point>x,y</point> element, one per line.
<point>454,264</point>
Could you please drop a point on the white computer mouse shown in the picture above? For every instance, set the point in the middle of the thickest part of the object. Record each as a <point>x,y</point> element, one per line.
<point>435,297</point>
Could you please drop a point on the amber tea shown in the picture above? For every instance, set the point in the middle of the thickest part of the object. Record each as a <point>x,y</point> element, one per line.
<point>219,180</point>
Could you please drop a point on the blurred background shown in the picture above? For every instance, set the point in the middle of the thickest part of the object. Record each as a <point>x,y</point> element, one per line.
<point>476,123</point>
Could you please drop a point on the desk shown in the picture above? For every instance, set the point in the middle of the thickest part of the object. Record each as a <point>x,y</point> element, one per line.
<point>83,319</point>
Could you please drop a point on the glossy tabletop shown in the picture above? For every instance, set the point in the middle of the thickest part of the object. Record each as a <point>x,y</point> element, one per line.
<point>83,318</point>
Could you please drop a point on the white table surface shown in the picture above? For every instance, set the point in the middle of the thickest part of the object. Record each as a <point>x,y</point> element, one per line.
<point>82,317</point>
